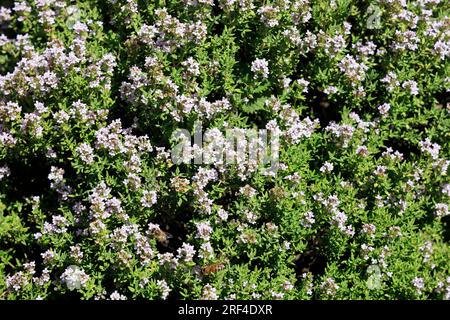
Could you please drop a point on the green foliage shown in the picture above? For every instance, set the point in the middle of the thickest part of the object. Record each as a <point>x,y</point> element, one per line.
<point>93,207</point>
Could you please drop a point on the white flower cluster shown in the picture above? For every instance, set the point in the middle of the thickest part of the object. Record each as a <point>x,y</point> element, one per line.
<point>260,67</point>
<point>353,70</point>
<point>74,277</point>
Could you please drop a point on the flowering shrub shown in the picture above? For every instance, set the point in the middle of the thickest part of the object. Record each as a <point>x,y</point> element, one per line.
<point>93,205</point>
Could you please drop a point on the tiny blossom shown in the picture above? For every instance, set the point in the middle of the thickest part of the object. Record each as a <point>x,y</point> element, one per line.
<point>167,259</point>
<point>431,148</point>
<point>261,68</point>
<point>353,70</point>
<point>295,177</point>
<point>329,287</point>
<point>441,210</point>
<point>303,84</point>
<point>362,151</point>
<point>406,40</point>
<point>256,295</point>
<point>117,296</point>
<point>85,153</point>
<point>269,15</point>
<point>250,216</point>
<point>76,253</point>
<point>204,230</point>
<point>326,167</point>
<point>222,214</point>
<point>16,281</point>
<point>342,132</point>
<point>179,184</point>
<point>393,155</point>
<point>209,293</point>
<point>276,295</point>
<point>339,219</point>
<point>247,237</point>
<point>440,165</point>
<point>186,252</point>
<point>204,176</point>
<point>287,286</point>
<point>330,90</point>
<point>206,251</point>
<point>11,110</point>
<point>271,227</point>
<point>56,176</point>
<point>80,27</point>
<point>192,67</point>
<point>446,189</point>
<point>144,249</point>
<point>43,278</point>
<point>369,229</point>
<point>380,171</point>
<point>365,250</point>
<point>97,226</point>
<point>286,82</point>
<point>133,181</point>
<point>286,245</point>
<point>59,224</point>
<point>334,44</point>
<point>426,250</point>
<point>30,267</point>
<point>74,277</point>
<point>4,172</point>
<point>442,48</point>
<point>391,80</point>
<point>149,198</point>
<point>247,191</point>
<point>6,139</point>
<point>365,49</point>
<point>411,86</point>
<point>308,219</point>
<point>418,284</point>
<point>384,109</point>
<point>5,14</point>
<point>298,129</point>
<point>165,290</point>
<point>395,232</point>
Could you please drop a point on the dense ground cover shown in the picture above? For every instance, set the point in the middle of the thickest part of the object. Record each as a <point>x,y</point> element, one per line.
<point>93,206</point>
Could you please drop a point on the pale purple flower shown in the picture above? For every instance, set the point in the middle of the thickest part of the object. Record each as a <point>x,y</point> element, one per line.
<point>260,67</point>
<point>86,153</point>
<point>269,15</point>
<point>204,230</point>
<point>384,109</point>
<point>4,172</point>
<point>418,284</point>
<point>117,296</point>
<point>165,289</point>
<point>308,219</point>
<point>441,210</point>
<point>329,287</point>
<point>209,293</point>
<point>362,151</point>
<point>186,252</point>
<point>330,90</point>
<point>411,86</point>
<point>222,214</point>
<point>149,198</point>
<point>326,167</point>
<point>432,149</point>
<point>74,277</point>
